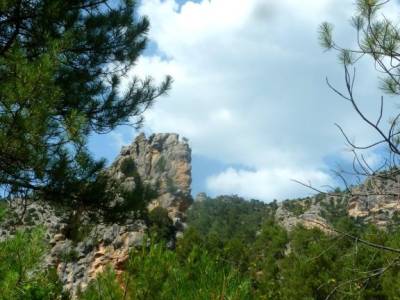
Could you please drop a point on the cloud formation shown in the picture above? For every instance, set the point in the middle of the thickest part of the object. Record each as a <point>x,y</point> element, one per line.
<point>265,183</point>
<point>250,89</point>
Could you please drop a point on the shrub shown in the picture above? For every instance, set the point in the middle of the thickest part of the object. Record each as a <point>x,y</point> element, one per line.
<point>156,273</point>
<point>3,209</point>
<point>71,255</point>
<point>128,167</point>
<point>105,286</point>
<point>20,275</point>
<point>161,225</point>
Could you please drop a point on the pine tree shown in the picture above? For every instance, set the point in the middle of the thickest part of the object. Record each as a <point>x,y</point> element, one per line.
<point>61,70</point>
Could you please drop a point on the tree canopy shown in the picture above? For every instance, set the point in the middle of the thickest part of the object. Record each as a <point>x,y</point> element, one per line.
<point>63,69</point>
<point>376,37</point>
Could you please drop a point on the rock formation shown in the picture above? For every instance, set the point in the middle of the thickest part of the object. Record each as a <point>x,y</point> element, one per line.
<point>308,213</point>
<point>162,162</point>
<point>376,201</point>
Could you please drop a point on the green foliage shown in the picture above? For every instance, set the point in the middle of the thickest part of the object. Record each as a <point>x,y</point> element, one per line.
<point>271,263</point>
<point>335,208</point>
<point>377,36</point>
<point>132,201</point>
<point>71,255</point>
<point>367,271</point>
<point>308,264</point>
<point>157,273</point>
<point>128,167</point>
<point>61,64</point>
<point>192,238</point>
<point>395,221</point>
<point>161,225</point>
<point>302,264</point>
<point>267,252</point>
<point>228,217</point>
<point>226,227</point>
<point>310,268</point>
<point>20,277</point>
<point>80,232</point>
<point>325,35</point>
<point>391,278</point>
<point>3,209</point>
<point>297,207</point>
<point>105,286</point>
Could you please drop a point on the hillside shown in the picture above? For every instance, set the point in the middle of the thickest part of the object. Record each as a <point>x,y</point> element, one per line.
<point>162,243</point>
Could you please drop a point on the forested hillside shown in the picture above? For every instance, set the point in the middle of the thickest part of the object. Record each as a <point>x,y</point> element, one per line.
<point>232,248</point>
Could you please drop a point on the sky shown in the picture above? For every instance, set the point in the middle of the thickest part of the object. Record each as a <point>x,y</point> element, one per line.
<point>249,93</point>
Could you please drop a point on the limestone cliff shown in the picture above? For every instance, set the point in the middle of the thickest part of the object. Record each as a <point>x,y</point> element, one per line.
<point>376,201</point>
<point>161,162</point>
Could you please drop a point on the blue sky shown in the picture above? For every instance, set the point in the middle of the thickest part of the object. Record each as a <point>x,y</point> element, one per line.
<point>250,93</point>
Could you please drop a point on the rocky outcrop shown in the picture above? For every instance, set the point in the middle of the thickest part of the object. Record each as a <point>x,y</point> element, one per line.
<point>161,162</point>
<point>307,213</point>
<point>376,201</point>
<point>80,261</point>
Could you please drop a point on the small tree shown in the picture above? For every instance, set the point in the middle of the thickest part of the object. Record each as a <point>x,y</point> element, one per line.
<point>20,275</point>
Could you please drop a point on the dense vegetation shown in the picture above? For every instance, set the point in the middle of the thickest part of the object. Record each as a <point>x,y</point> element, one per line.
<point>159,273</point>
<point>257,260</point>
<point>303,263</point>
<point>20,277</point>
<point>226,217</point>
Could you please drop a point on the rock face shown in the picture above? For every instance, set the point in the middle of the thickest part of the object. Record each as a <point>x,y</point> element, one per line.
<point>161,162</point>
<point>376,201</point>
<point>307,213</point>
<point>79,263</point>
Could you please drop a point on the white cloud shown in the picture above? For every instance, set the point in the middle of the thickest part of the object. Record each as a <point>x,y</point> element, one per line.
<point>265,183</point>
<point>250,87</point>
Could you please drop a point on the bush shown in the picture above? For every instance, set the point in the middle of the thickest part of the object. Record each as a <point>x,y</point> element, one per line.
<point>105,286</point>
<point>20,275</point>
<point>157,274</point>
<point>161,225</point>
<point>3,209</point>
<point>70,255</point>
<point>128,167</point>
